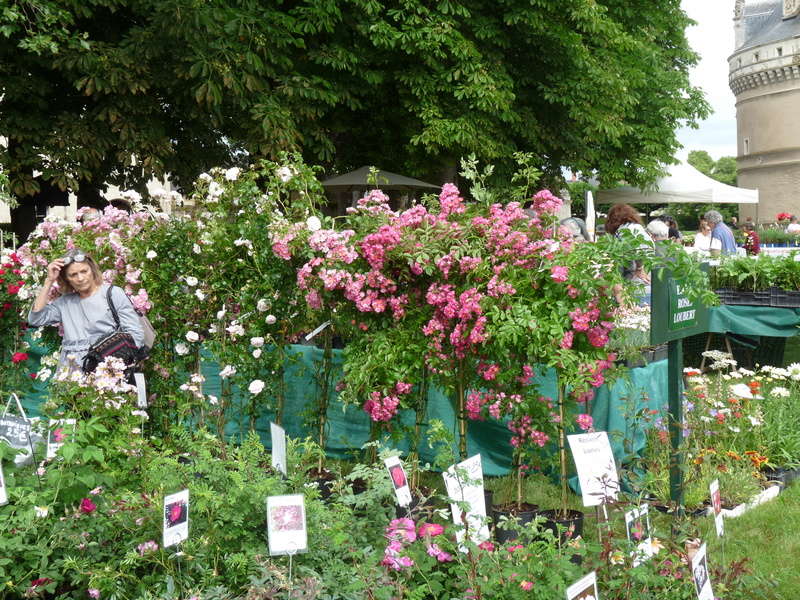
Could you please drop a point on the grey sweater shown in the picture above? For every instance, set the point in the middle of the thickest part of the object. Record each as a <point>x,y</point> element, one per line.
<point>86,320</point>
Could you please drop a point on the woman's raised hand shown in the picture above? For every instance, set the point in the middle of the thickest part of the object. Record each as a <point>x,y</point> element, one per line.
<point>53,269</point>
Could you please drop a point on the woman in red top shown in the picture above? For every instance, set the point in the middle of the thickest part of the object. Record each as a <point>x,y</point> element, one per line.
<point>751,241</point>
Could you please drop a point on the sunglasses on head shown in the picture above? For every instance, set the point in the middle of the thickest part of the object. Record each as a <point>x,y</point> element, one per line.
<point>74,258</point>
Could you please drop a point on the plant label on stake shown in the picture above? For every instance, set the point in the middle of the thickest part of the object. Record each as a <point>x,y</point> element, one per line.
<point>3,495</point>
<point>278,436</point>
<point>60,432</point>
<point>584,589</point>
<point>141,390</point>
<point>176,518</point>
<point>716,505</point>
<point>317,331</point>
<point>286,525</point>
<point>702,582</point>
<point>596,469</point>
<point>637,526</point>
<point>399,480</point>
<point>464,483</point>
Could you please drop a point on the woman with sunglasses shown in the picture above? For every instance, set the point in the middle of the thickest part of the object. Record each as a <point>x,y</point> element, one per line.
<point>82,308</point>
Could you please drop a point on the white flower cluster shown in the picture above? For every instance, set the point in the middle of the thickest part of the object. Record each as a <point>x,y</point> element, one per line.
<point>722,360</point>
<point>194,386</point>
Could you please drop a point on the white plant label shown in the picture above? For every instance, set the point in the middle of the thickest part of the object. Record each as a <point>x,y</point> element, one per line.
<point>464,483</point>
<point>3,495</point>
<point>716,505</point>
<point>286,524</point>
<point>60,432</point>
<point>176,518</point>
<point>596,469</point>
<point>141,390</point>
<point>637,526</point>
<point>399,480</point>
<point>584,589</point>
<point>702,581</point>
<point>278,436</point>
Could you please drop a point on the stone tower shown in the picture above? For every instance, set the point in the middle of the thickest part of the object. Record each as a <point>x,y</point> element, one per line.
<point>764,74</point>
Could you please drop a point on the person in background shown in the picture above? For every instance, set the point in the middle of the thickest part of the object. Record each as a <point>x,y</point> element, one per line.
<point>623,217</point>
<point>752,243</point>
<point>702,239</point>
<point>658,230</point>
<point>722,240</point>
<point>793,227</point>
<point>734,222</point>
<point>674,234</point>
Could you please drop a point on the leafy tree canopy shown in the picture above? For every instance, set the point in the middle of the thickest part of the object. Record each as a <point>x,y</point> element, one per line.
<point>723,170</point>
<point>96,91</point>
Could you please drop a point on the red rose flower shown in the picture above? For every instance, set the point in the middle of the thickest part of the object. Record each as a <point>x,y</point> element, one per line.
<point>13,289</point>
<point>19,357</point>
<point>87,506</point>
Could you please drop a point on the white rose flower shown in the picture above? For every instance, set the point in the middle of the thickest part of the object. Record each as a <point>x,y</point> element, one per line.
<point>256,386</point>
<point>151,254</point>
<point>256,342</point>
<point>257,353</point>
<point>232,174</point>
<point>235,329</point>
<point>284,174</point>
<point>191,281</point>
<point>181,349</point>
<point>313,223</point>
<point>227,372</point>
<point>204,177</point>
<point>212,328</point>
<point>192,336</point>
<point>262,305</point>
<point>200,295</point>
<point>196,248</point>
<point>270,319</point>
<point>220,313</point>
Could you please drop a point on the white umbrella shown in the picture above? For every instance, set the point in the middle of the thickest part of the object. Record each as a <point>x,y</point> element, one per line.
<point>590,215</point>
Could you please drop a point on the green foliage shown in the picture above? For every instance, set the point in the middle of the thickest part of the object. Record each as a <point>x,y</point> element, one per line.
<point>183,85</point>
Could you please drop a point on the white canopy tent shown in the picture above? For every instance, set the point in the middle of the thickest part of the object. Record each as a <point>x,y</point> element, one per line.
<point>683,184</point>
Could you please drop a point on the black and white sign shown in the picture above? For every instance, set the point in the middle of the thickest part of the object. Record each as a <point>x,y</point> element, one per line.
<point>464,483</point>
<point>584,589</point>
<point>17,432</point>
<point>637,526</point>
<point>286,524</point>
<point>702,582</point>
<point>176,518</point>
<point>596,469</point>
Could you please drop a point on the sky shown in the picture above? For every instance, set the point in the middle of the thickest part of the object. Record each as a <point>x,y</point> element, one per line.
<point>712,38</point>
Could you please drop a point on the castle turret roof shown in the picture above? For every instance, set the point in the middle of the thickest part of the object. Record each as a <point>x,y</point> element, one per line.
<point>764,24</point>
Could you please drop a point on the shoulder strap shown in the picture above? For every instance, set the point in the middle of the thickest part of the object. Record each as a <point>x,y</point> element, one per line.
<point>111,305</point>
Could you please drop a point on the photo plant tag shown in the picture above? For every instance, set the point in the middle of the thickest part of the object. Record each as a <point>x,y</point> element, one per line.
<point>141,390</point>
<point>597,472</point>
<point>60,432</point>
<point>702,581</point>
<point>464,483</point>
<point>584,589</point>
<point>637,527</point>
<point>399,480</point>
<point>716,505</point>
<point>176,518</point>
<point>278,437</point>
<point>3,494</point>
<point>286,525</point>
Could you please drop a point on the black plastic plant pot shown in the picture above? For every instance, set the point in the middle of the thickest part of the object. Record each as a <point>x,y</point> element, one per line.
<point>525,514</point>
<point>564,528</point>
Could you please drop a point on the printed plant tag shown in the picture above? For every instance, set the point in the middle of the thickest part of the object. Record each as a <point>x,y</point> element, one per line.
<point>399,480</point>
<point>464,483</point>
<point>286,524</point>
<point>278,436</point>
<point>3,494</point>
<point>141,390</point>
<point>702,581</point>
<point>716,504</point>
<point>60,432</point>
<point>584,589</point>
<point>596,469</point>
<point>176,518</point>
<point>637,526</point>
